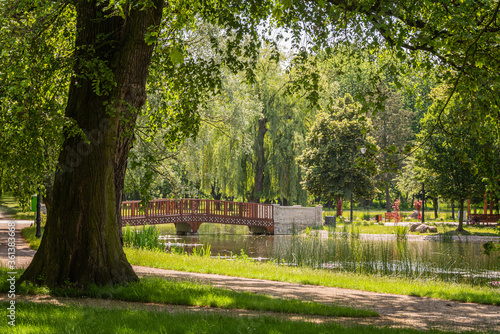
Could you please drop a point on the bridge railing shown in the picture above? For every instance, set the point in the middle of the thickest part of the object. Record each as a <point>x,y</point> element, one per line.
<point>198,207</point>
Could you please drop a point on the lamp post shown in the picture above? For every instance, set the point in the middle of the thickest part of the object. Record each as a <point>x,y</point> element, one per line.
<point>38,233</point>
<point>363,150</point>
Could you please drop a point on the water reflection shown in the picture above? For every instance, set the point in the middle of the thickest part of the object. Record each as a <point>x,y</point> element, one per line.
<point>452,261</point>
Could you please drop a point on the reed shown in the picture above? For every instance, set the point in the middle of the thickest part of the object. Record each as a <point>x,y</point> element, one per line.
<point>401,259</point>
<point>401,232</point>
<point>147,238</point>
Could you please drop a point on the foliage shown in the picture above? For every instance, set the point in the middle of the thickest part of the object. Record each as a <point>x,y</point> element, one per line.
<point>331,145</point>
<point>449,158</point>
<point>34,78</point>
<point>147,238</point>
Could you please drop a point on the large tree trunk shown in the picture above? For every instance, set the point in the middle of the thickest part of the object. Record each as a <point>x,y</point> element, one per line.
<point>81,243</point>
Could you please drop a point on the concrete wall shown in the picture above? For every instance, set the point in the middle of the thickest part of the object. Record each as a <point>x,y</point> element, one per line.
<point>288,218</point>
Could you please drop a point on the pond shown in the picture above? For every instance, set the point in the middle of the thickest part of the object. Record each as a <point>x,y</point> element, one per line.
<point>452,261</point>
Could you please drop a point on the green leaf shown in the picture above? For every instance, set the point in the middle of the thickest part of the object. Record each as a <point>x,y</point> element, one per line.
<point>176,56</point>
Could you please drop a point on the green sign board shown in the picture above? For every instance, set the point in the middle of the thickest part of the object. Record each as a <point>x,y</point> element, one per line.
<point>33,203</point>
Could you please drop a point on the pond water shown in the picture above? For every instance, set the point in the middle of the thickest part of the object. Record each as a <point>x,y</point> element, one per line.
<point>452,260</point>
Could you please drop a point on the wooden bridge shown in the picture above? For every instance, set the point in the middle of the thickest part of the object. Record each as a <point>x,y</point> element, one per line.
<point>189,214</point>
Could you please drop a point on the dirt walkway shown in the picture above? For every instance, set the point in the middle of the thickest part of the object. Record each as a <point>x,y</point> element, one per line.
<point>23,254</point>
<point>395,310</point>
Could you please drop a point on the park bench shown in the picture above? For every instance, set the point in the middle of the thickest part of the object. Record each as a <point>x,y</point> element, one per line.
<point>392,215</point>
<point>477,218</point>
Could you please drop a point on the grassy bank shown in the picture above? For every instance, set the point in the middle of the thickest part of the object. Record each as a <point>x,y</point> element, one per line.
<point>38,318</point>
<point>304,275</point>
<point>158,290</point>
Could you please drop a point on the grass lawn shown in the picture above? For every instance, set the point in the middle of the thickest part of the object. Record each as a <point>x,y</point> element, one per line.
<point>43,318</point>
<point>10,209</point>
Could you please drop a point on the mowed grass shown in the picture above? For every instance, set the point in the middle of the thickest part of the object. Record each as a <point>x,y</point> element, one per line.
<point>159,290</point>
<point>10,209</point>
<point>44,318</point>
<point>304,275</point>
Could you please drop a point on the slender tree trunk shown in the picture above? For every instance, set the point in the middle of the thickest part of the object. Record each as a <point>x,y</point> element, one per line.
<point>453,209</point>
<point>259,168</point>
<point>435,205</point>
<point>460,227</point>
<point>387,199</point>
<point>81,243</point>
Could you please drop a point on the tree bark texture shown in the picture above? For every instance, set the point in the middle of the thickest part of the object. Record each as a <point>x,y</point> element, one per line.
<point>81,244</point>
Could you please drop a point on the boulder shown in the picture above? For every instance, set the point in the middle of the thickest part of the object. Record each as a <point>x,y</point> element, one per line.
<point>422,228</point>
<point>414,214</point>
<point>432,229</point>
<point>414,226</point>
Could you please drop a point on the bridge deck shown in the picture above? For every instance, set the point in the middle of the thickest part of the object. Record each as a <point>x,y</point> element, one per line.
<point>197,211</point>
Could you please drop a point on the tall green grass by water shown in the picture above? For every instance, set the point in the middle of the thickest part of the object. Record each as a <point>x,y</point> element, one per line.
<point>147,237</point>
<point>345,252</point>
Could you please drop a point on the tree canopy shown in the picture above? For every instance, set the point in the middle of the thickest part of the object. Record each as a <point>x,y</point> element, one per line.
<point>330,146</point>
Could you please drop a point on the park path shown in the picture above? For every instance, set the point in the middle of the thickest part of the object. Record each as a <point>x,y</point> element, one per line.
<point>395,310</point>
